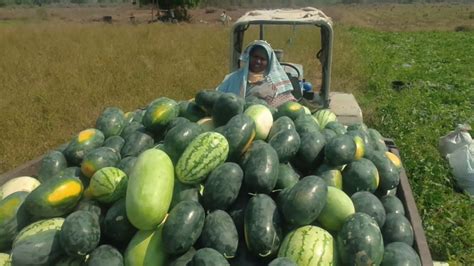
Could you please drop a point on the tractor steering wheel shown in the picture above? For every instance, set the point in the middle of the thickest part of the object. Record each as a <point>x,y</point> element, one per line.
<point>293,67</point>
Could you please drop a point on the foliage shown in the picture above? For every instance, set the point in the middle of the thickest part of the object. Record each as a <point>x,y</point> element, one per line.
<point>435,68</point>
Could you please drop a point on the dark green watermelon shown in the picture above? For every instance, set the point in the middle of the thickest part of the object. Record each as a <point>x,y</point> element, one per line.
<point>388,172</point>
<point>184,259</point>
<point>282,261</point>
<point>361,175</point>
<point>51,165</point>
<point>183,227</point>
<point>340,150</point>
<point>83,142</point>
<point>328,133</point>
<point>336,127</point>
<point>260,167</point>
<point>126,164</point>
<point>286,144</point>
<point>9,215</point>
<point>116,226</point>
<point>134,116</point>
<point>222,186</point>
<point>93,207</point>
<point>105,255</point>
<point>97,159</point>
<point>205,99</point>
<point>111,121</point>
<point>136,143</point>
<point>225,107</point>
<point>262,225</point>
<point>219,233</point>
<point>182,192</point>
<point>282,123</point>
<point>306,123</point>
<point>132,127</point>
<point>159,113</point>
<point>368,203</point>
<point>208,257</point>
<point>311,151</point>
<point>239,132</point>
<point>178,138</point>
<point>80,233</point>
<point>114,142</point>
<point>398,254</point>
<point>397,228</point>
<point>287,177</point>
<point>190,110</point>
<point>392,204</point>
<point>302,203</point>
<point>359,242</point>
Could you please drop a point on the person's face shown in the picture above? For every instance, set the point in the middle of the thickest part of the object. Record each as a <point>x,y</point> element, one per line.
<point>258,60</point>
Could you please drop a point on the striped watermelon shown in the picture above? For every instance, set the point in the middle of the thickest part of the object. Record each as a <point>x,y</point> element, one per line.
<point>203,154</point>
<point>307,246</point>
<point>107,185</point>
<point>324,116</point>
<point>39,227</point>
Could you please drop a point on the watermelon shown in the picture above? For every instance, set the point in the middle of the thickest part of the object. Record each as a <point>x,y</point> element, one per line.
<point>260,165</point>
<point>392,204</point>
<point>38,243</point>
<point>134,116</point>
<point>219,233</point>
<point>184,259</point>
<point>206,124</point>
<point>159,113</point>
<point>282,123</point>
<point>376,140</point>
<point>55,197</point>
<point>146,248</point>
<point>388,172</point>
<point>116,225</point>
<point>5,259</point>
<point>178,138</point>
<point>9,207</point>
<point>135,143</point>
<point>111,121</point>
<point>336,127</point>
<point>99,158</point>
<point>107,185</point>
<point>208,256</point>
<point>191,111</point>
<point>337,209</point>
<point>399,253</point>
<point>126,164</point>
<point>397,228</point>
<point>222,186</point>
<point>286,144</point>
<point>282,261</point>
<point>311,150</point>
<point>21,183</point>
<point>149,189</point>
<point>183,227</point>
<point>324,116</point>
<point>227,106</point>
<point>262,226</point>
<point>132,127</point>
<point>263,119</point>
<point>80,233</point>
<point>69,261</point>
<point>359,242</point>
<point>105,255</point>
<point>361,175</point>
<point>332,177</point>
<point>182,192</point>
<point>91,206</point>
<point>306,123</point>
<point>368,203</point>
<point>83,142</point>
<point>302,203</point>
<point>115,142</point>
<point>296,245</point>
<point>51,165</point>
<point>291,109</point>
<point>205,99</point>
<point>287,176</point>
<point>343,149</point>
<point>239,132</point>
<point>203,154</point>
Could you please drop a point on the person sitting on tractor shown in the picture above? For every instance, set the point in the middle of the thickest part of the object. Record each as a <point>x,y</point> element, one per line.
<point>261,75</point>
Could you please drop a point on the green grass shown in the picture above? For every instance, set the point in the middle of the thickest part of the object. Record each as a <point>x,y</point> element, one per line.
<point>58,77</point>
<point>438,66</point>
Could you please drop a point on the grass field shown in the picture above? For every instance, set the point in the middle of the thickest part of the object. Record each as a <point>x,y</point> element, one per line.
<point>58,77</point>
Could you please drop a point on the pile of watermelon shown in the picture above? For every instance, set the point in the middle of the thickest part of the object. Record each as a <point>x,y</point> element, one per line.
<point>216,180</point>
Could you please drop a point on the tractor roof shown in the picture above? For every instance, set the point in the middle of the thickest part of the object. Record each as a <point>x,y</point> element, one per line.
<point>307,15</point>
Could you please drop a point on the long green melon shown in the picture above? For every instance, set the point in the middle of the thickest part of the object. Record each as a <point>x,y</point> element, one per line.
<point>308,246</point>
<point>203,154</point>
<point>146,249</point>
<point>150,189</point>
